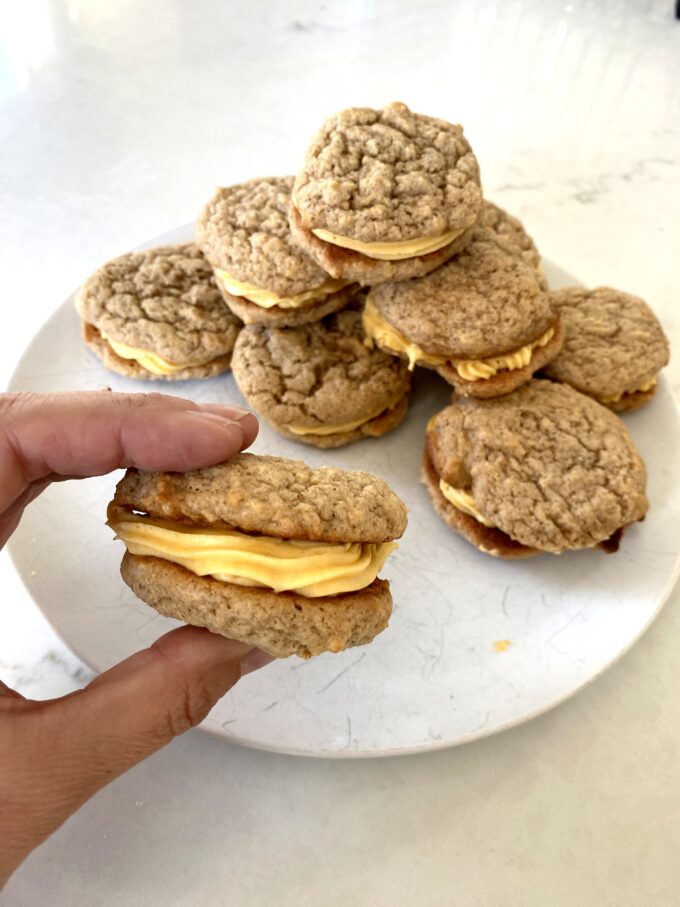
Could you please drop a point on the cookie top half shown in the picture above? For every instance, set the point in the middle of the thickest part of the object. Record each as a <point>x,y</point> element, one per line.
<point>163,300</point>
<point>511,230</point>
<point>318,375</point>
<point>388,175</point>
<point>483,302</point>
<point>243,230</point>
<point>271,496</point>
<point>545,464</point>
<point>614,343</point>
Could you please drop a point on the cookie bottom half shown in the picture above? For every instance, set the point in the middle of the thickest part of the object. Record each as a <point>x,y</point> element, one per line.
<point>281,624</point>
<point>388,420</point>
<point>350,265</point>
<point>630,402</point>
<point>250,313</point>
<point>507,380</point>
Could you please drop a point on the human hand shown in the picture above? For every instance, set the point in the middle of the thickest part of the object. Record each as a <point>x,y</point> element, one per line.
<point>55,755</point>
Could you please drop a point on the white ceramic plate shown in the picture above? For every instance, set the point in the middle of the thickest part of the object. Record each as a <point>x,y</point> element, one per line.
<point>475,645</point>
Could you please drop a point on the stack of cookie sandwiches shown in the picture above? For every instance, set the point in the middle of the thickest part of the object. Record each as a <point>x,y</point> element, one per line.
<point>323,292</point>
<point>393,199</point>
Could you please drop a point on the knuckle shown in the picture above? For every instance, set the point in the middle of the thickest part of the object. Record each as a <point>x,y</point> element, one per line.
<point>191,703</point>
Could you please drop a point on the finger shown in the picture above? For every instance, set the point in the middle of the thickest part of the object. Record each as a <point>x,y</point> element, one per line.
<point>8,693</point>
<point>65,750</point>
<point>138,706</point>
<point>91,433</point>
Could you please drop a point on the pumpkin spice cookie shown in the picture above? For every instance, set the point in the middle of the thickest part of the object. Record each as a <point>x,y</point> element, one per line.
<point>319,383</point>
<point>541,469</point>
<point>613,349</point>
<point>264,276</point>
<point>512,232</point>
<point>263,550</point>
<point>482,320</point>
<point>385,194</point>
<point>158,314</point>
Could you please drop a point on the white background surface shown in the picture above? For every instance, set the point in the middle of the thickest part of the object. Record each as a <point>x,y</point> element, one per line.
<point>117,119</point>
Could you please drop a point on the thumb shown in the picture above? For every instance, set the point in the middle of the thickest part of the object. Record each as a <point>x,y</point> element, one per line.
<point>92,736</point>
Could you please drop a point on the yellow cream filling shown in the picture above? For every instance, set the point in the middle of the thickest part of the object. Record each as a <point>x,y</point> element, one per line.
<point>152,362</point>
<point>462,500</point>
<point>378,329</point>
<point>267,300</point>
<point>480,369</point>
<point>345,426</point>
<point>390,251</point>
<point>647,386</point>
<point>311,569</point>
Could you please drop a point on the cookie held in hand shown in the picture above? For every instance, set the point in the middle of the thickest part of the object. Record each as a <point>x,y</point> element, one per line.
<point>263,550</point>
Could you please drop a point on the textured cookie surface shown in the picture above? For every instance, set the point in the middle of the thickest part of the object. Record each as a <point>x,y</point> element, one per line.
<point>282,624</point>
<point>487,538</point>
<point>388,175</point>
<point>613,342</point>
<point>244,230</point>
<point>548,466</point>
<point>512,232</point>
<point>318,375</point>
<point>162,300</point>
<point>480,303</point>
<point>271,496</point>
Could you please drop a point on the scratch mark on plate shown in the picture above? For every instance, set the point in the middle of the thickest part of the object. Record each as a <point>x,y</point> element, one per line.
<point>344,671</point>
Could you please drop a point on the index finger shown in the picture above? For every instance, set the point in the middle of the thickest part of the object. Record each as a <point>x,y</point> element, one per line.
<point>49,436</point>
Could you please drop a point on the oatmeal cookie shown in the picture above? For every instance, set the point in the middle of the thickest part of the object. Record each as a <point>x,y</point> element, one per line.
<point>158,314</point>
<point>544,468</point>
<point>511,230</point>
<point>385,194</point>
<point>320,384</point>
<point>263,550</point>
<point>614,346</point>
<point>482,320</point>
<point>264,276</point>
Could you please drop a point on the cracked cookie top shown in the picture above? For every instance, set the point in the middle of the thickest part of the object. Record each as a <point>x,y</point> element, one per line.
<point>613,341</point>
<point>512,231</point>
<point>483,302</point>
<point>272,496</point>
<point>547,465</point>
<point>388,175</point>
<point>244,230</point>
<point>164,300</point>
<point>319,374</point>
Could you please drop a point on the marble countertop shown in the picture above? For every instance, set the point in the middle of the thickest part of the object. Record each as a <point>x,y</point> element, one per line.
<point>116,121</point>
